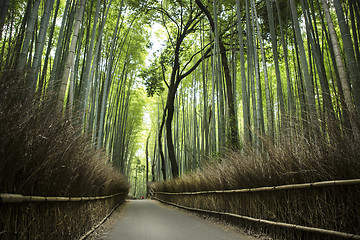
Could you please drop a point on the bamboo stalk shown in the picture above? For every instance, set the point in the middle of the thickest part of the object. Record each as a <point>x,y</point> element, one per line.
<point>274,188</point>
<point>273,223</point>
<point>18,198</point>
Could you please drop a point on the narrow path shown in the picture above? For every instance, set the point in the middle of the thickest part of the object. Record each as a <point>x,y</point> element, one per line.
<point>150,220</point>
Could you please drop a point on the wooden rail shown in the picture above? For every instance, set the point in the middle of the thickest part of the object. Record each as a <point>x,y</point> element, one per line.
<point>273,223</point>
<point>273,188</point>
<point>18,198</point>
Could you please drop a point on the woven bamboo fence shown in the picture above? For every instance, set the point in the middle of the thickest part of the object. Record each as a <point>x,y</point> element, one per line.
<point>37,217</point>
<point>320,210</point>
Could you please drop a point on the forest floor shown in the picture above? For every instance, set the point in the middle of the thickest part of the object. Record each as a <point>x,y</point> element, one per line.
<point>147,219</point>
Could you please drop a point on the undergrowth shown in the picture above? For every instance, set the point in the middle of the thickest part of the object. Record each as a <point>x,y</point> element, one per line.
<point>43,153</point>
<point>294,159</point>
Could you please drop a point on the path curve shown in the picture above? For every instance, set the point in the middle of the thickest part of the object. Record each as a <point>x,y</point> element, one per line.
<point>151,220</point>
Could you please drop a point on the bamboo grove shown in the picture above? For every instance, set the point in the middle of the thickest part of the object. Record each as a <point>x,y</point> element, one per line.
<point>242,74</point>
<point>231,75</point>
<point>83,57</point>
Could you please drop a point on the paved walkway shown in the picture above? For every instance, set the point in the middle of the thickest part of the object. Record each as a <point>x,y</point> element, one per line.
<point>150,220</point>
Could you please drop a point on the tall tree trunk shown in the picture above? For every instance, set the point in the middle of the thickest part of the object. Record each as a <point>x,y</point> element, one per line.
<point>259,103</point>
<point>269,105</point>
<point>245,95</point>
<point>195,127</point>
<point>309,88</point>
<point>107,84</point>
<point>28,35</point>
<point>71,55</point>
<point>97,55</point>
<point>250,65</point>
<point>4,6</point>
<point>84,92</point>
<point>219,80</point>
<point>291,103</point>
<point>48,49</point>
<point>39,47</point>
<point>9,30</point>
<point>147,165</point>
<point>169,140</point>
<point>355,31</point>
<point>349,53</point>
<point>54,77</point>
<point>279,89</point>
<point>213,143</point>
<point>319,60</point>
<point>341,69</point>
<point>73,87</point>
<point>153,162</point>
<point>304,116</point>
<point>233,130</point>
<point>205,123</point>
<point>342,109</point>
<point>162,157</point>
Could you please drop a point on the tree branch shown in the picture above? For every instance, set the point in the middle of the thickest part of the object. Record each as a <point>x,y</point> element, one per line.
<point>207,13</point>
<point>192,57</point>
<point>206,55</point>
